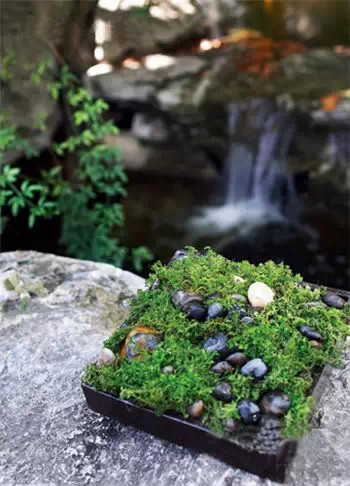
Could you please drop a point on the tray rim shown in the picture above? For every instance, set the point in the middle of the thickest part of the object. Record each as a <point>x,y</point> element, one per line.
<point>271,466</point>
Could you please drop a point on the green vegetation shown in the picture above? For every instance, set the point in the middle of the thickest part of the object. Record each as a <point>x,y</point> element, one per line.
<point>275,338</point>
<point>89,201</point>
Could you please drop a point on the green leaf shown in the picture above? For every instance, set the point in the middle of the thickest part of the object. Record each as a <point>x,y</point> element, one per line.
<point>31,220</point>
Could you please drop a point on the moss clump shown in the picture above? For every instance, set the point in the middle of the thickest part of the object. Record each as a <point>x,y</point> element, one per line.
<point>275,338</point>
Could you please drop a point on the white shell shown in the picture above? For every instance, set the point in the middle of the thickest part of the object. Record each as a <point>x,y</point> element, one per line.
<point>260,294</point>
<point>238,279</point>
<point>106,357</point>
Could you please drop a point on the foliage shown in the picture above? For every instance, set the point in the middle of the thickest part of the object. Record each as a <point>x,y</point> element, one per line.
<point>275,338</point>
<point>90,201</point>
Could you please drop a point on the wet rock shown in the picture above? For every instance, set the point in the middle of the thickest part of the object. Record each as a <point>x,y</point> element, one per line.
<point>237,359</point>
<point>315,344</point>
<point>217,344</point>
<point>248,320</point>
<point>260,295</point>
<point>178,255</point>
<point>333,300</point>
<point>223,392</point>
<point>197,312</point>
<point>222,367</point>
<point>190,304</point>
<point>168,370</point>
<point>237,308</point>
<point>140,343</point>
<point>196,410</point>
<point>140,339</point>
<point>275,403</point>
<point>155,285</point>
<point>106,357</point>
<point>232,425</point>
<point>238,279</point>
<point>255,368</point>
<point>216,310</point>
<point>239,298</point>
<point>249,412</point>
<point>310,333</point>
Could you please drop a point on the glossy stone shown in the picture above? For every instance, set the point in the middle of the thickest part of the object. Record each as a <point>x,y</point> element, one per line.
<point>196,312</point>
<point>315,344</point>
<point>190,304</point>
<point>168,370</point>
<point>178,255</point>
<point>237,308</point>
<point>217,344</point>
<point>260,295</point>
<point>155,285</point>
<point>249,412</point>
<point>106,357</point>
<point>196,410</point>
<point>237,359</point>
<point>275,403</point>
<point>333,300</point>
<point>238,279</point>
<point>216,310</point>
<point>232,425</point>
<point>239,298</point>
<point>248,320</point>
<point>255,368</point>
<point>223,392</point>
<point>139,343</point>
<point>310,333</point>
<point>222,367</point>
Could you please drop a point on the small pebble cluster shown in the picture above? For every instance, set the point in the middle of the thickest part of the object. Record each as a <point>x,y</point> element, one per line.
<point>269,410</point>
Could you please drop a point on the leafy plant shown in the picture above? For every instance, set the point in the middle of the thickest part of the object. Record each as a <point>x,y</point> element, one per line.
<point>90,201</point>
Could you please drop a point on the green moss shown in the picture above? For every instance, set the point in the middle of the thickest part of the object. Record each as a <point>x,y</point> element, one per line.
<point>275,338</point>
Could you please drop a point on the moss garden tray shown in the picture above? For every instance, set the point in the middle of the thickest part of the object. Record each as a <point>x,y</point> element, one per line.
<point>225,357</point>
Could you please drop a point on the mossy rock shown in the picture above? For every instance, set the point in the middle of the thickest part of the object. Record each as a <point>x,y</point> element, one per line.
<point>275,338</point>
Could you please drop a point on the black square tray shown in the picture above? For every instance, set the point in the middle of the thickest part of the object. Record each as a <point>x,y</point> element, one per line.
<point>180,431</point>
<point>176,429</point>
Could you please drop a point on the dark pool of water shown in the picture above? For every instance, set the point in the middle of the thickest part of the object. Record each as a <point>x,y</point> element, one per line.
<point>160,212</point>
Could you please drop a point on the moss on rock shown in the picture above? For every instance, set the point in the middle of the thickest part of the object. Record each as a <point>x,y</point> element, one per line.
<point>274,338</point>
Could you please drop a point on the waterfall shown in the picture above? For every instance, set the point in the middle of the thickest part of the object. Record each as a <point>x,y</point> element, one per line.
<point>257,186</point>
<point>255,167</point>
<point>211,11</point>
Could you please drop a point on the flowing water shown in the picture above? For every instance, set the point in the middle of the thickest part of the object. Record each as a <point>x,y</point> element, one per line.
<point>257,185</point>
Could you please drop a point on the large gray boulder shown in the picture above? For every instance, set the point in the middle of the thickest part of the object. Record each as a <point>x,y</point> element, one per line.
<point>55,314</point>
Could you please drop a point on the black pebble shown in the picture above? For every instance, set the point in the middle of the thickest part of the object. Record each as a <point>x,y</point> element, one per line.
<point>276,403</point>
<point>217,343</point>
<point>237,308</point>
<point>255,368</point>
<point>237,359</point>
<point>310,333</point>
<point>197,312</point>
<point>249,412</point>
<point>222,367</point>
<point>216,310</point>
<point>333,300</point>
<point>178,255</point>
<point>223,392</point>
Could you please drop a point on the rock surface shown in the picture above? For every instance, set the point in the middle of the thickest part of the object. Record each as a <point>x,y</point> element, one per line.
<point>48,436</point>
<point>31,30</point>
